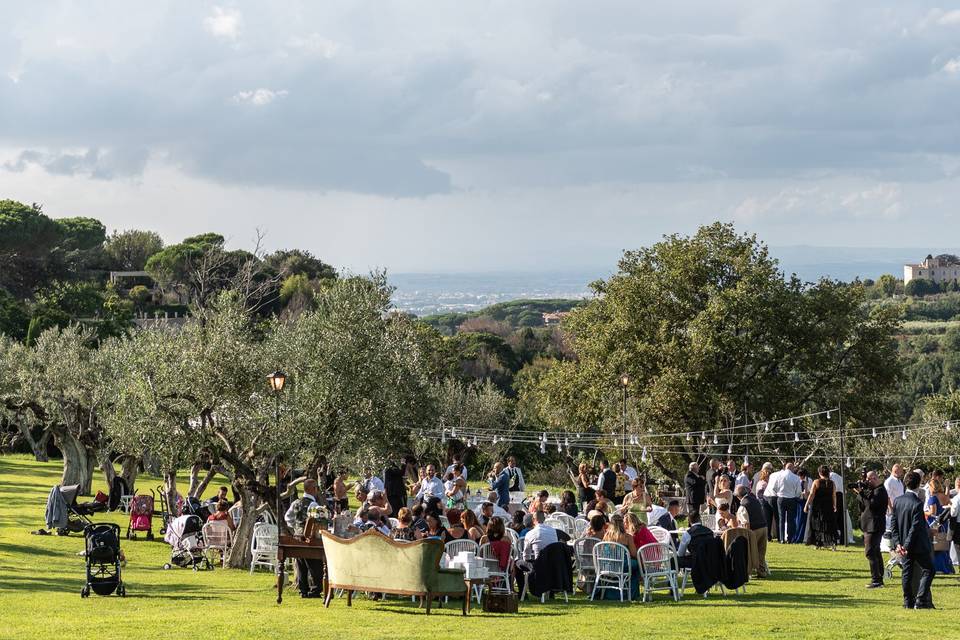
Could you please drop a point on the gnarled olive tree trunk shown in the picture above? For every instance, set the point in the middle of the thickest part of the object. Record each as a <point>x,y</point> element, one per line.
<point>79,462</point>
<point>240,555</point>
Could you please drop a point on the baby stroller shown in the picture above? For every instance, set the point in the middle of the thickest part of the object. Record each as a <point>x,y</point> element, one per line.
<point>141,516</point>
<point>185,536</point>
<point>78,515</point>
<point>102,552</point>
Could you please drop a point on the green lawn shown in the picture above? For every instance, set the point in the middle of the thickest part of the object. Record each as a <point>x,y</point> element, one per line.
<point>811,594</point>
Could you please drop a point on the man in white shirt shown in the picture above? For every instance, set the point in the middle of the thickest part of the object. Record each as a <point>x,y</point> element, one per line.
<point>538,539</point>
<point>431,486</point>
<point>788,488</point>
<point>628,471</point>
<point>894,487</point>
<point>517,483</point>
<point>489,509</point>
<point>457,461</point>
<point>656,512</point>
<point>370,482</point>
<point>841,513</point>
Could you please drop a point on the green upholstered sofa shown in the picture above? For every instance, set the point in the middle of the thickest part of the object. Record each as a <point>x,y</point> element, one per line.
<point>374,562</point>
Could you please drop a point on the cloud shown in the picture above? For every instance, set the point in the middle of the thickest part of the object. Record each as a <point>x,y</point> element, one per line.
<point>224,23</point>
<point>93,163</point>
<point>316,44</point>
<point>258,97</point>
<point>952,66</point>
<point>950,18</point>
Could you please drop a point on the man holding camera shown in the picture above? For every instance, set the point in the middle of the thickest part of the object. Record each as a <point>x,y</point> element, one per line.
<point>873,522</point>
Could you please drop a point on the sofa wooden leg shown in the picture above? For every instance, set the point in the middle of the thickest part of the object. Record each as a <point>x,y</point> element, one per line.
<point>349,597</point>
<point>327,598</point>
<point>429,598</point>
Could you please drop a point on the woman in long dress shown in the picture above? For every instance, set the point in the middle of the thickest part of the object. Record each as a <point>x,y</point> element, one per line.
<point>822,507</point>
<point>936,503</point>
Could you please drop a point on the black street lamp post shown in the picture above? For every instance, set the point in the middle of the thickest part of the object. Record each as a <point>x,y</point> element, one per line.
<point>277,380</point>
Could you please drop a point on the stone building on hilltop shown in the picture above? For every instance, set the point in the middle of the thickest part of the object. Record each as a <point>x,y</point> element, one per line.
<point>943,268</point>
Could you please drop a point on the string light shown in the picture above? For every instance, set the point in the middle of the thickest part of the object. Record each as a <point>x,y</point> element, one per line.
<point>796,437</point>
<point>453,432</point>
<point>715,439</point>
<point>566,442</point>
<point>828,415</point>
<point>903,435</point>
<point>443,436</point>
<point>746,459</point>
<point>543,447</point>
<point>729,448</point>
<point>689,437</point>
<point>951,461</point>
<point>643,455</point>
<point>948,425</point>
<point>874,430</point>
<point>766,426</point>
<point>849,463</point>
<point>791,422</point>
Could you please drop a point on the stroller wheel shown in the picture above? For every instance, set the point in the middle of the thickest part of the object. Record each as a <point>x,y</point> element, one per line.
<point>149,535</point>
<point>122,591</point>
<point>85,592</point>
<point>167,566</point>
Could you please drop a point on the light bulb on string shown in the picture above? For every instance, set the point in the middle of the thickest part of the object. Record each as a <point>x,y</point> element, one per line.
<point>796,437</point>
<point>543,447</point>
<point>874,432</point>
<point>703,435</point>
<point>559,449</point>
<point>494,439</point>
<point>729,448</point>
<point>715,441</point>
<point>543,437</point>
<point>828,415</point>
<point>689,437</point>
<point>948,425</point>
<point>791,422</point>
<point>643,455</point>
<point>746,459</point>
<point>566,442</point>
<point>443,436</point>
<point>951,461</point>
<point>766,426</point>
<point>849,463</point>
<point>903,435</point>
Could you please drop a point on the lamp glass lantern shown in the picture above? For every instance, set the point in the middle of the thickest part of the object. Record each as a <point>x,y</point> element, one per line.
<point>277,379</point>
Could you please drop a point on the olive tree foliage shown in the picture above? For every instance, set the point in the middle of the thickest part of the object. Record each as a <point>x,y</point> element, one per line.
<point>711,333</point>
<point>55,390</point>
<point>355,390</point>
<point>467,408</point>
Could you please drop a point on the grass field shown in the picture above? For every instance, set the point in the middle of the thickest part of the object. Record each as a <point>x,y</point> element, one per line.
<point>811,594</point>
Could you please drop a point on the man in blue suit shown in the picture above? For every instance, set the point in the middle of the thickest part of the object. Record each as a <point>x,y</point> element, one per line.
<point>911,539</point>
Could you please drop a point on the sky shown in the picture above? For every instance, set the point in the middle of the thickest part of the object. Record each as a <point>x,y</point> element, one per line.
<point>471,136</point>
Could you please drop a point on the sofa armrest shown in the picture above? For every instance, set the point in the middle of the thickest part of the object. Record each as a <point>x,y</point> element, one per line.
<point>449,581</point>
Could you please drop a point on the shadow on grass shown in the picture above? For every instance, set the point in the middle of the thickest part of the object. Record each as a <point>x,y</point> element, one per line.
<point>73,584</point>
<point>6,547</point>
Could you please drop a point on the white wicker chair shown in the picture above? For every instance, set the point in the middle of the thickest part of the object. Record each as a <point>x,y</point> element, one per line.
<point>586,569</point>
<point>580,526</point>
<point>658,568</point>
<point>217,537</point>
<point>455,547</point>
<point>263,546</point>
<point>612,562</point>
<point>661,534</point>
<point>500,579</point>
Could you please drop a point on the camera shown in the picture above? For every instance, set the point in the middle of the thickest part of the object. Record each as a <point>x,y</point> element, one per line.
<point>861,484</point>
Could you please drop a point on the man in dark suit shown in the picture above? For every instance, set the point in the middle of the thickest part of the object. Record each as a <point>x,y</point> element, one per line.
<point>911,539</point>
<point>695,488</point>
<point>873,522</point>
<point>758,530</point>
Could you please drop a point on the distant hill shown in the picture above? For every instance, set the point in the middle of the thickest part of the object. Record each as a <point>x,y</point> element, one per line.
<point>515,313</point>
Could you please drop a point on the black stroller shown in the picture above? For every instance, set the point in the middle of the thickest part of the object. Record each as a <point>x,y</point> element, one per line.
<point>185,536</point>
<point>102,552</point>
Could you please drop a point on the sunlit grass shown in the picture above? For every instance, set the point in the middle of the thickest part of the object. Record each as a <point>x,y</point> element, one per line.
<point>812,594</point>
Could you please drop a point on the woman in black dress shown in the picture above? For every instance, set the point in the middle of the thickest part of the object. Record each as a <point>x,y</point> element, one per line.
<point>822,508</point>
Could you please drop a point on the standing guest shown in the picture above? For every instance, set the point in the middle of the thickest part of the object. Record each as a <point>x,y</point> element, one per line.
<point>308,569</point>
<point>500,480</point>
<point>621,486</point>
<point>713,471</point>
<point>768,467</point>
<point>404,528</point>
<point>517,482</point>
<point>457,462</point>
<point>806,483</point>
<point>584,490</point>
<point>695,488</point>
<point>841,513</point>
<point>607,480</point>
<point>873,504</point>
<point>628,471</point>
<point>540,502</point>
<point>936,503</point>
<point>822,507</point>
<point>568,504</point>
<point>911,540</point>
<point>771,506</point>
<point>745,478</point>
<point>894,486</point>
<point>789,491</point>
<point>340,499</point>
<point>922,491</point>
<point>395,487</point>
<point>370,482</point>
<point>955,515</point>
<point>731,472</point>
<point>754,509</point>
<point>453,491</point>
<point>637,501</point>
<point>431,487</point>
<point>722,492</point>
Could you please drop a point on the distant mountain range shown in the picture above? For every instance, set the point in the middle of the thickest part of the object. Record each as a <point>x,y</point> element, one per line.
<point>432,293</point>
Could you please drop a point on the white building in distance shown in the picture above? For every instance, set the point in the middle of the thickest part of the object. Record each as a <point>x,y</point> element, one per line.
<point>940,269</point>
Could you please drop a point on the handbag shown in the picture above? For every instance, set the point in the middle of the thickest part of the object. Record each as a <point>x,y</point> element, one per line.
<point>941,541</point>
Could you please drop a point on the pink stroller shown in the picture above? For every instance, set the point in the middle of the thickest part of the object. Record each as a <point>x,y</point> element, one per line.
<point>141,517</point>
